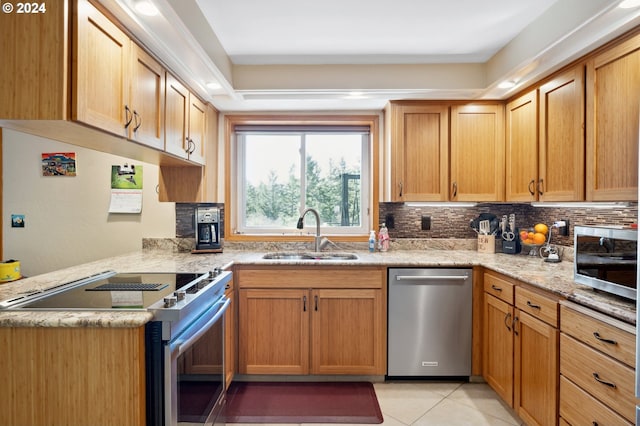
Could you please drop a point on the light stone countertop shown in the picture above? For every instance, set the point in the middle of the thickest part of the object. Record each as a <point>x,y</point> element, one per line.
<point>553,277</point>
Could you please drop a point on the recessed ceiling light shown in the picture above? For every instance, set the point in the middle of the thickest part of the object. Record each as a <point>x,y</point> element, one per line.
<point>355,95</point>
<point>506,85</point>
<point>214,85</point>
<point>145,7</point>
<point>628,4</point>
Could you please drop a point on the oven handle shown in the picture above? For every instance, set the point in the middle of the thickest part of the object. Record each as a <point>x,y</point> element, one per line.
<point>198,328</point>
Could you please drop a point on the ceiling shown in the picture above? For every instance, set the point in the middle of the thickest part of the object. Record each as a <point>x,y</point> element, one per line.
<point>286,55</point>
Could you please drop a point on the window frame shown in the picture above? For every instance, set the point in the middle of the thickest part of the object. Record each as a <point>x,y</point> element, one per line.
<point>233,177</point>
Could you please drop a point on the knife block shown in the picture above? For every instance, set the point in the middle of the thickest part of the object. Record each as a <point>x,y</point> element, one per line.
<point>511,247</point>
<point>486,243</point>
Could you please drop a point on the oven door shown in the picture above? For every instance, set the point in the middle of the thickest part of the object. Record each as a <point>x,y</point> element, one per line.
<point>194,370</point>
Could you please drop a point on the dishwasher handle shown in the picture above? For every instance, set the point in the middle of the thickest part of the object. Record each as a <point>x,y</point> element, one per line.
<point>431,277</point>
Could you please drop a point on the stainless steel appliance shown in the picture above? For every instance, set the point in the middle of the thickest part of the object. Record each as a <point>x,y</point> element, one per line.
<point>429,331</point>
<point>184,342</point>
<point>207,227</point>
<point>605,258</point>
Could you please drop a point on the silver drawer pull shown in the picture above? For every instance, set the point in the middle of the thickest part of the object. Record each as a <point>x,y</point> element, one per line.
<point>599,380</point>
<point>602,339</point>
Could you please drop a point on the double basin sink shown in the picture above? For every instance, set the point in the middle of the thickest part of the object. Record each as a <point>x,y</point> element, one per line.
<point>309,256</point>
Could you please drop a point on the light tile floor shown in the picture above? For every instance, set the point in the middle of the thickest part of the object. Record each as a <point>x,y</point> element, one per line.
<point>446,404</point>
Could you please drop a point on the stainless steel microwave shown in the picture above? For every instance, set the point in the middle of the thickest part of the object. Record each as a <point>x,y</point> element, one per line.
<point>606,258</point>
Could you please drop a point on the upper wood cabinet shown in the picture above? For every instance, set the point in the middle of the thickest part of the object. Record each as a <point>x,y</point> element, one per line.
<point>613,110</point>
<point>561,137</point>
<point>420,152</point>
<point>76,75</point>
<point>101,60</point>
<point>119,87</point>
<point>34,76</point>
<point>522,148</point>
<point>147,99</point>
<point>477,152</point>
<point>176,117</point>
<point>197,129</point>
<point>185,122</point>
<point>545,141</point>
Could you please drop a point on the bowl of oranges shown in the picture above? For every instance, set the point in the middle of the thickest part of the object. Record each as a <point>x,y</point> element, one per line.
<point>534,237</point>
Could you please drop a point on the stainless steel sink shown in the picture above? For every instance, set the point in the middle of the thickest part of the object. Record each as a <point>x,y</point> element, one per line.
<point>309,256</point>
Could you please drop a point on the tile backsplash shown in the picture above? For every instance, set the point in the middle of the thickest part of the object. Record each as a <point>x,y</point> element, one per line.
<point>453,222</point>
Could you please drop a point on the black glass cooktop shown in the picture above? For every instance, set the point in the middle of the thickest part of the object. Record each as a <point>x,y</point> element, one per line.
<point>124,291</point>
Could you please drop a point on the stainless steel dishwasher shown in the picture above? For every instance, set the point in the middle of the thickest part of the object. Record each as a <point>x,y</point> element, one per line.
<point>429,321</point>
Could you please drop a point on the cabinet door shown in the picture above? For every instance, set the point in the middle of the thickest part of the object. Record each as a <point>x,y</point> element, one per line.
<point>420,152</point>
<point>562,144</point>
<point>197,129</point>
<point>477,153</point>
<point>498,347</point>
<point>536,370</point>
<point>147,99</point>
<point>522,148</point>
<point>176,117</point>
<point>348,335</point>
<point>101,58</point>
<point>613,108</point>
<point>273,331</point>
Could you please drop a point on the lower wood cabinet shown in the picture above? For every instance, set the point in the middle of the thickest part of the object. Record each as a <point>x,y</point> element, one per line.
<point>314,328</point>
<point>520,356</point>
<point>597,357</point>
<point>72,376</point>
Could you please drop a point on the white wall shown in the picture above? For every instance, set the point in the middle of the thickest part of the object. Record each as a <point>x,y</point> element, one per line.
<point>66,218</point>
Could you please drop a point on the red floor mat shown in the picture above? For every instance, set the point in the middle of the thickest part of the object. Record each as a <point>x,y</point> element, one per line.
<point>305,402</point>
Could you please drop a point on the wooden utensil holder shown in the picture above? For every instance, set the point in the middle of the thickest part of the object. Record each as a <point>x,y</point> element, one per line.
<point>486,243</point>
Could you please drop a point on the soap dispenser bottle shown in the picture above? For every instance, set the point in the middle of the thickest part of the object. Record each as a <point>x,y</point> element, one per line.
<point>372,241</point>
<point>383,238</point>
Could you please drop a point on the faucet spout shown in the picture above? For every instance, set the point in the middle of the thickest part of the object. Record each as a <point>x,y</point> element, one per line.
<point>300,225</point>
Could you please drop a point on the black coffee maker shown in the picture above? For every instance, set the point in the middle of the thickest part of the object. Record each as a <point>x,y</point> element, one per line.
<point>207,227</point>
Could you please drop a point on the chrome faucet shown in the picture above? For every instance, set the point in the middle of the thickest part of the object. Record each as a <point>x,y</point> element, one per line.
<point>318,238</point>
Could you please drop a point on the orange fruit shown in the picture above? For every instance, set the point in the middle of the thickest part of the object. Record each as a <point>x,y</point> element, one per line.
<point>539,238</point>
<point>530,235</point>
<point>541,228</point>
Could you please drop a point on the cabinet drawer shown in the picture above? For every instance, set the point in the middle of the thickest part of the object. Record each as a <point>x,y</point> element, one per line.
<point>498,287</point>
<point>537,305</point>
<point>605,334</point>
<point>580,364</point>
<point>312,277</point>
<point>577,407</point>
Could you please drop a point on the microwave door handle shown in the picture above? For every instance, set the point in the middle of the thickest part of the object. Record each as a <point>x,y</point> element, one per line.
<point>198,328</point>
